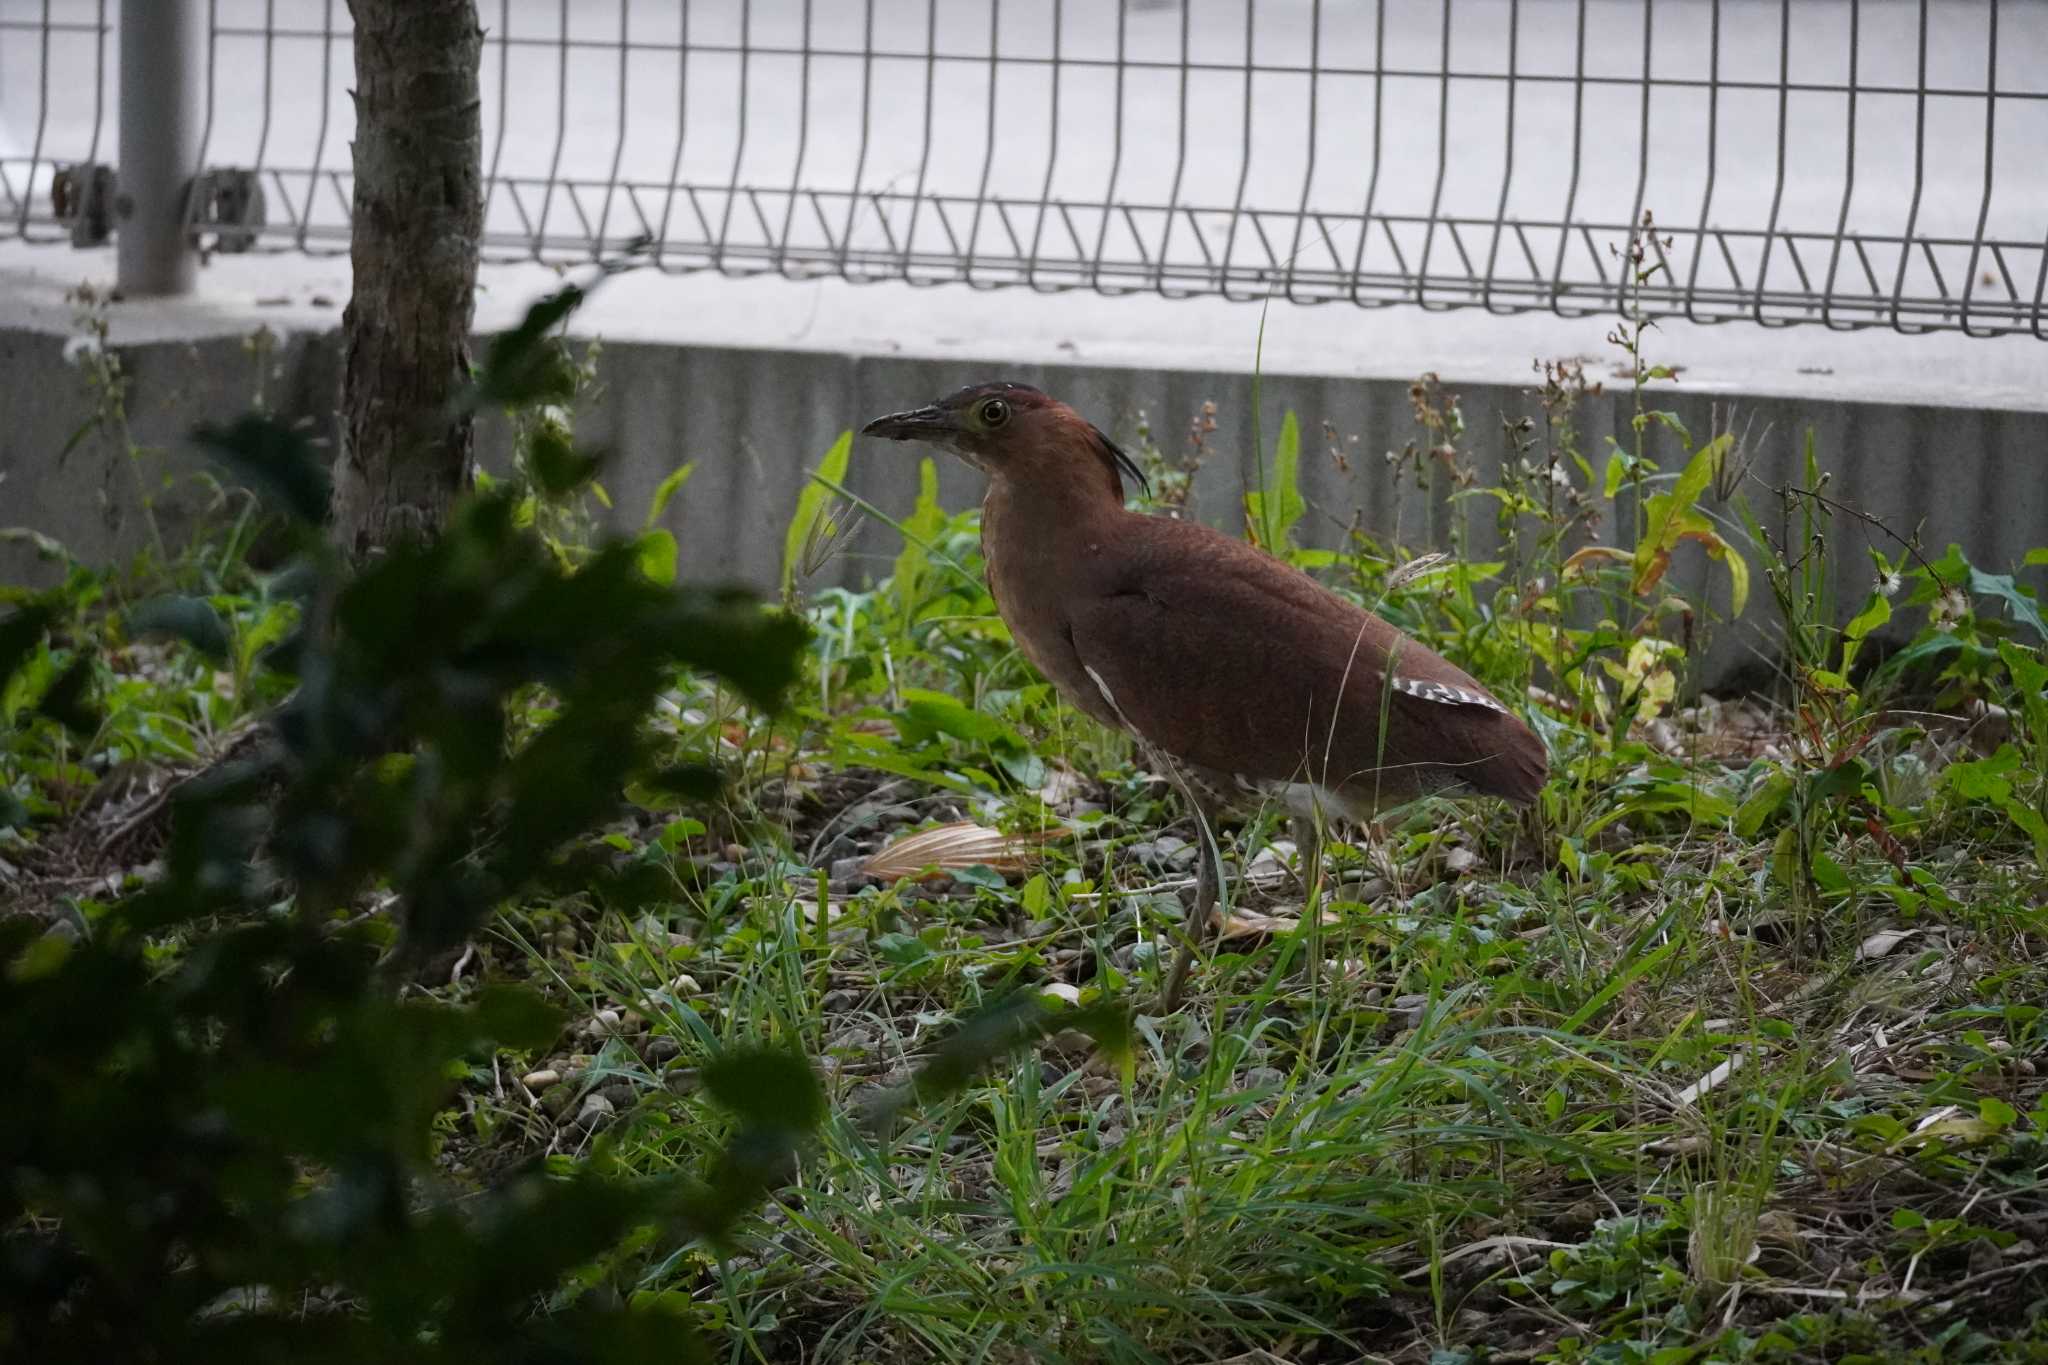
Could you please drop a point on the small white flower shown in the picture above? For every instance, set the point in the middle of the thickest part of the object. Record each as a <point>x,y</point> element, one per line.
<point>81,348</point>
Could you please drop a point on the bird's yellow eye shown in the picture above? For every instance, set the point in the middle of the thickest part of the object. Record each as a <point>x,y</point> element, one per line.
<point>994,412</point>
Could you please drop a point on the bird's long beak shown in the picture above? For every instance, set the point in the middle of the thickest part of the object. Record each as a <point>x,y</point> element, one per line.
<point>919,424</point>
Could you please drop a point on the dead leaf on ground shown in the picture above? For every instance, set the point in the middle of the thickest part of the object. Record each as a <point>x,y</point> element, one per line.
<point>1246,923</point>
<point>960,844</point>
<point>1882,942</point>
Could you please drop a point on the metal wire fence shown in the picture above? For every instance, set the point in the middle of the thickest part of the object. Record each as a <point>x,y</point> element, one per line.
<point>1848,162</point>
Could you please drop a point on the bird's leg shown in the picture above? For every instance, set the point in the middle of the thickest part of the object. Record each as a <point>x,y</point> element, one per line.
<point>1308,852</point>
<point>1208,875</point>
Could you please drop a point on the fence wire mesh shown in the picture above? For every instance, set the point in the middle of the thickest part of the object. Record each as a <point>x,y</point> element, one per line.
<point>1848,162</point>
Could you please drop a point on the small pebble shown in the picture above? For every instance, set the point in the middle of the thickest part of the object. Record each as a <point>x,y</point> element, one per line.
<point>1407,1010</point>
<point>1261,1077</point>
<point>1459,861</point>
<point>734,852</point>
<point>662,1048</point>
<point>685,984</point>
<point>537,1081</point>
<point>596,1109</point>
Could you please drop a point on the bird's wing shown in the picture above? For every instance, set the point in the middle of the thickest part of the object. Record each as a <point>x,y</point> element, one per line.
<point>1223,657</point>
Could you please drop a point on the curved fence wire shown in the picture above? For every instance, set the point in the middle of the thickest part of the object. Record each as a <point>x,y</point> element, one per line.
<point>1847,162</point>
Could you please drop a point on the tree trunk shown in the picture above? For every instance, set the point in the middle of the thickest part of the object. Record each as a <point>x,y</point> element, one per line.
<point>418,213</point>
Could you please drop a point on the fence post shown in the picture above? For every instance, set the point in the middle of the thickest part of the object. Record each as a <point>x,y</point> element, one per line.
<point>163,45</point>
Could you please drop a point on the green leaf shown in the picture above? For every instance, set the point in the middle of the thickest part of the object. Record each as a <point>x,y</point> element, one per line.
<point>1997,1112</point>
<point>558,467</point>
<point>524,366</point>
<point>20,633</point>
<point>1785,863</point>
<point>810,505</point>
<point>191,619</point>
<point>1666,418</point>
<point>665,490</point>
<point>2016,598</point>
<point>927,713</point>
<point>68,700</point>
<point>2031,824</point>
<point>1845,779</point>
<point>1617,475</point>
<point>655,552</point>
<point>2029,670</point>
<point>1766,801</point>
<point>1273,510</point>
<point>1673,517</point>
<point>1875,614</point>
<point>516,1018</point>
<point>1983,779</point>
<point>913,568</point>
<point>275,461</point>
<point>767,1086</point>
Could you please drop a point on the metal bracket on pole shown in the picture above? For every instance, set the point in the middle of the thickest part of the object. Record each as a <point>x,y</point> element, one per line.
<point>227,201</point>
<point>163,51</point>
<point>82,194</point>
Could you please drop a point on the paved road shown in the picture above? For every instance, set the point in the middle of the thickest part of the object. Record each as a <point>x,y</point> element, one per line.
<point>1181,123</point>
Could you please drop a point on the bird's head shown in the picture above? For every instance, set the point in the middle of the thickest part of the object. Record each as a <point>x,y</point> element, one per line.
<point>1015,434</point>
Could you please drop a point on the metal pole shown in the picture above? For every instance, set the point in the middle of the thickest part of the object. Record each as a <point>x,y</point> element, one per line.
<point>163,43</point>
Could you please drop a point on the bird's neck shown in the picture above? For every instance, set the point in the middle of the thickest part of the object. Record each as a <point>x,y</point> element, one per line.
<point>1034,534</point>
<point>1048,513</point>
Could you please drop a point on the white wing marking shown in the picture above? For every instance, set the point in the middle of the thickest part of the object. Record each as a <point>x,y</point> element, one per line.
<point>1445,695</point>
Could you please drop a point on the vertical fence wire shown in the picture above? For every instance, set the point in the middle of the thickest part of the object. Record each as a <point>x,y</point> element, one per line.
<point>1183,147</point>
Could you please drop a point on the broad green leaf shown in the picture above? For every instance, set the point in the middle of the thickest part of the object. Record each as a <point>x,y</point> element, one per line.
<point>1617,475</point>
<point>656,554</point>
<point>767,1087</point>
<point>1983,779</point>
<point>191,619</point>
<point>274,460</point>
<point>1785,860</point>
<point>524,365</point>
<point>558,467</point>
<point>1766,801</point>
<point>1873,616</point>
<point>2002,586</point>
<point>1673,517</point>
<point>19,635</point>
<point>68,700</point>
<point>913,568</point>
<point>1273,510</point>
<point>2031,824</point>
<point>927,713</point>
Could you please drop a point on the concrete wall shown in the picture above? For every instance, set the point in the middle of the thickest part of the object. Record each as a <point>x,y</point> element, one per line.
<point>753,421</point>
<point>74,468</point>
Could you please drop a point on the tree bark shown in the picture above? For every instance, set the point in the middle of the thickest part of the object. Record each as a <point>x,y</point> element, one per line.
<point>418,214</point>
